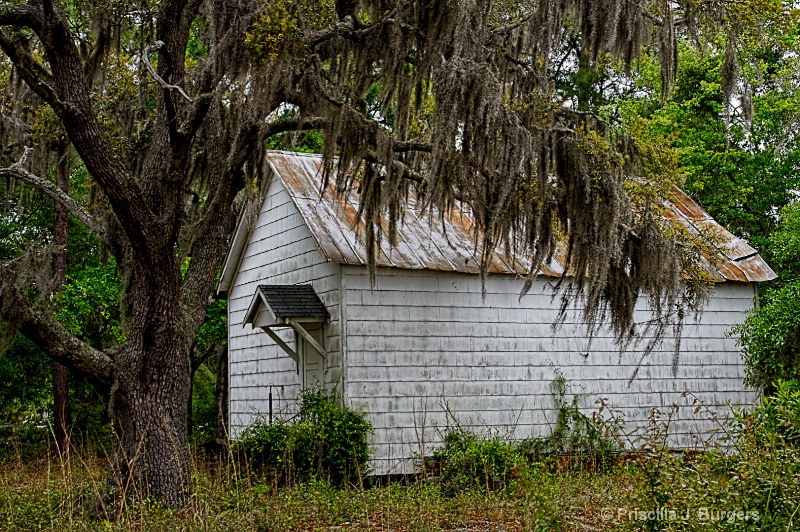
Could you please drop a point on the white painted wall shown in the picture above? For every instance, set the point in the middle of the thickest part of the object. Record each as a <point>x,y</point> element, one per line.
<point>281,250</point>
<point>421,339</point>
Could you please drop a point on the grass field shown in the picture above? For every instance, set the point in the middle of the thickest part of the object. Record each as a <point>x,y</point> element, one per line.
<point>42,494</point>
<point>483,483</point>
<point>656,491</point>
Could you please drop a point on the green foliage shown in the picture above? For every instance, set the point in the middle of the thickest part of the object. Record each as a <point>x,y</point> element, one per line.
<point>203,404</point>
<point>590,442</point>
<point>309,141</point>
<point>49,495</point>
<point>325,440</point>
<point>306,141</point>
<point>769,338</point>
<point>468,460</point>
<point>25,383</point>
<point>22,223</point>
<point>281,24</point>
<point>88,305</point>
<point>784,243</point>
<point>776,421</point>
<point>26,403</point>
<point>740,171</point>
<point>753,484</point>
<point>211,338</point>
<point>215,326</point>
<point>471,461</point>
<point>741,161</point>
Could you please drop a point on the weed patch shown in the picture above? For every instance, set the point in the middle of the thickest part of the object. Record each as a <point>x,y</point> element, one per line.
<point>577,441</point>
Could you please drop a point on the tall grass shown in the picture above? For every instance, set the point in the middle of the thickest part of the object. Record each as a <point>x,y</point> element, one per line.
<point>485,483</point>
<point>54,493</point>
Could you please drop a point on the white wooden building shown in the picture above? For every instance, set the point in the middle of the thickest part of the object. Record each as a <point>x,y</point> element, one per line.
<point>424,336</point>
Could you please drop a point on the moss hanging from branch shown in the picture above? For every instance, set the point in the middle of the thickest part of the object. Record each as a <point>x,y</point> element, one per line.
<point>530,170</point>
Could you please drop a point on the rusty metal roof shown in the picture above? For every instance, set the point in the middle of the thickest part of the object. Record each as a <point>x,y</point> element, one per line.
<point>429,241</point>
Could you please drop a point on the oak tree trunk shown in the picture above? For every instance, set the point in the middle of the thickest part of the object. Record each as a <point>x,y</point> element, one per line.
<point>61,413</point>
<point>221,396</point>
<point>149,400</point>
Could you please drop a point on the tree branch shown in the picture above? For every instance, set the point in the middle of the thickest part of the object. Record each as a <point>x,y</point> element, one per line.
<point>44,330</point>
<point>513,25</point>
<point>655,20</point>
<point>344,28</point>
<point>209,244</point>
<point>31,71</point>
<point>164,85</point>
<point>17,15</point>
<point>353,31</point>
<point>403,146</point>
<point>293,123</point>
<point>200,106</point>
<point>198,359</point>
<point>73,106</point>
<point>209,76</point>
<point>17,171</point>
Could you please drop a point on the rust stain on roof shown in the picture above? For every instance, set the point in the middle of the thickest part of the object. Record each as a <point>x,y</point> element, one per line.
<point>434,242</point>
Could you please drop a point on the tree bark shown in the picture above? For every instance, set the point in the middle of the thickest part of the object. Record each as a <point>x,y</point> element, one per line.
<point>221,396</point>
<point>146,381</point>
<point>149,398</point>
<point>61,412</point>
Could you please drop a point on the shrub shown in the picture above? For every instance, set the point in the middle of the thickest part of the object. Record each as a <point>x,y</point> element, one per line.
<point>324,441</point>
<point>752,485</point>
<point>770,338</point>
<point>776,421</point>
<point>589,442</point>
<point>468,460</point>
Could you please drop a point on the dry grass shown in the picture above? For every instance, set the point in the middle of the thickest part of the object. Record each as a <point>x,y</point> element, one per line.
<point>44,494</point>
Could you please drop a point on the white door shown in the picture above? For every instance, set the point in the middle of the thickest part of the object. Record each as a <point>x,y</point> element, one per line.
<point>312,364</point>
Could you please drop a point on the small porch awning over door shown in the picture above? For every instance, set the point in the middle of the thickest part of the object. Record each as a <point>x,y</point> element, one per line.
<point>274,306</point>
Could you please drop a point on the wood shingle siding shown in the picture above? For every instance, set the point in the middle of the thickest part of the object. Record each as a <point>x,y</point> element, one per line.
<point>280,250</point>
<point>492,361</point>
<point>422,342</point>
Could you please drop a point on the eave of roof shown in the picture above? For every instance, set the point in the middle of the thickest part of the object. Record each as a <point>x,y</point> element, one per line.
<point>285,303</point>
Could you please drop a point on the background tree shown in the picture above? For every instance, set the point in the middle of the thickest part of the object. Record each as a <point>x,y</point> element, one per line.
<point>737,145</point>
<point>169,105</point>
<point>62,420</point>
<point>770,336</point>
<point>88,305</point>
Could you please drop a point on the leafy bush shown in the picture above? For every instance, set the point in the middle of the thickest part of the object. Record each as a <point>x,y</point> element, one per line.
<point>776,419</point>
<point>468,460</point>
<point>324,441</point>
<point>589,442</point>
<point>752,485</point>
<point>770,338</point>
<point>489,462</point>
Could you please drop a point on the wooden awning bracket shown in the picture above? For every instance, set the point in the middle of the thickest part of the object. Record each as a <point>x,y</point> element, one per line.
<point>283,345</point>
<point>298,327</point>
